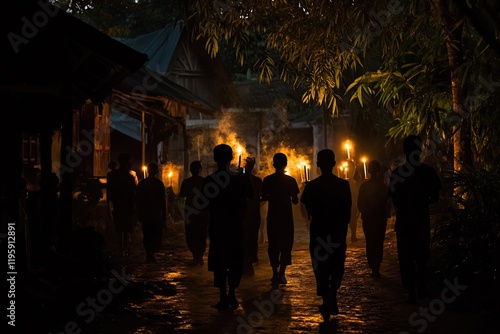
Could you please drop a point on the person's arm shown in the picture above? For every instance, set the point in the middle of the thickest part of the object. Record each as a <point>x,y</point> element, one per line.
<point>139,205</point>
<point>109,195</point>
<point>392,191</point>
<point>182,191</point>
<point>361,199</point>
<point>304,199</point>
<point>247,185</point>
<point>348,203</point>
<point>163,201</point>
<point>294,191</point>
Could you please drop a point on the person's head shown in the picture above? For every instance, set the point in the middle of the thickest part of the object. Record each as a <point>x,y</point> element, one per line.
<point>280,161</point>
<point>112,165</point>
<point>124,160</point>
<point>153,169</point>
<point>249,164</point>
<point>412,145</point>
<point>195,167</point>
<point>326,160</point>
<point>223,154</point>
<point>374,167</point>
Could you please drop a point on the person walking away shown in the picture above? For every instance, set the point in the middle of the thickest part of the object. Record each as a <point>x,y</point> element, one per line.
<point>280,190</point>
<point>354,181</point>
<point>251,221</point>
<point>121,190</point>
<point>412,188</point>
<point>328,202</point>
<point>226,192</point>
<point>195,214</point>
<point>151,211</point>
<point>373,203</point>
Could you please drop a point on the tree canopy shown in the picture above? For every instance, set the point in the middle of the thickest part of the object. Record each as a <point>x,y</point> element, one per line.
<point>420,61</point>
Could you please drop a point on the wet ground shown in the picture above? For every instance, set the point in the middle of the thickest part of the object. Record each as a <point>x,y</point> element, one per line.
<point>172,296</point>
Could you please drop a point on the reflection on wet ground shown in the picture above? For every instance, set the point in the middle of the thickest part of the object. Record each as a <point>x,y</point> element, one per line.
<point>172,296</point>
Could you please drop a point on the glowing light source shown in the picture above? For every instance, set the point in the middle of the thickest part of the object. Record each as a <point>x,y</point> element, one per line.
<point>345,168</point>
<point>348,147</point>
<point>239,150</point>
<point>144,168</point>
<point>170,178</point>
<point>363,160</point>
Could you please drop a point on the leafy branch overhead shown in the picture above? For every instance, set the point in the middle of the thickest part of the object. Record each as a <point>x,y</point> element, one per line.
<point>315,41</point>
<point>393,53</point>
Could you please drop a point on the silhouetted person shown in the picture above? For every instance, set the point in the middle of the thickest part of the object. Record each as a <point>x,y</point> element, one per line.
<point>195,214</point>
<point>413,187</point>
<point>328,202</point>
<point>52,210</point>
<point>225,192</point>
<point>112,165</point>
<point>251,221</point>
<point>354,180</point>
<point>121,190</point>
<point>151,211</point>
<point>373,204</point>
<point>34,214</point>
<point>280,190</point>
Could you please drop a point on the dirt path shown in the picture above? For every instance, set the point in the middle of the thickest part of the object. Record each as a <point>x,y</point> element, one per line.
<point>174,297</point>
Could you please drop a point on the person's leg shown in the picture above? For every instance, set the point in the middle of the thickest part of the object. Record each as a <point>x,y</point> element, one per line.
<point>273,251</point>
<point>353,223</point>
<point>368,241</point>
<point>146,241</point>
<point>118,222</point>
<point>322,287</point>
<point>155,239</point>
<point>378,245</point>
<point>233,278</point>
<point>336,274</point>
<point>286,245</point>
<point>203,240</point>
<point>189,226</point>
<point>254,244</point>
<point>220,278</point>
<point>247,247</point>
<point>422,255</point>
<point>406,263</point>
<point>199,240</point>
<point>370,231</point>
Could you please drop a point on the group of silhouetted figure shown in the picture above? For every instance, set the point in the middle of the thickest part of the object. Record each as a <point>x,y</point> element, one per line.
<point>224,208</point>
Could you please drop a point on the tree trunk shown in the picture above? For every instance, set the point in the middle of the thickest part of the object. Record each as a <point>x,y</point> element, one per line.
<point>450,15</point>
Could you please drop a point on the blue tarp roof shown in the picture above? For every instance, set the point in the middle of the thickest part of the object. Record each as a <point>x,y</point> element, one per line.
<point>159,45</point>
<point>125,124</point>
